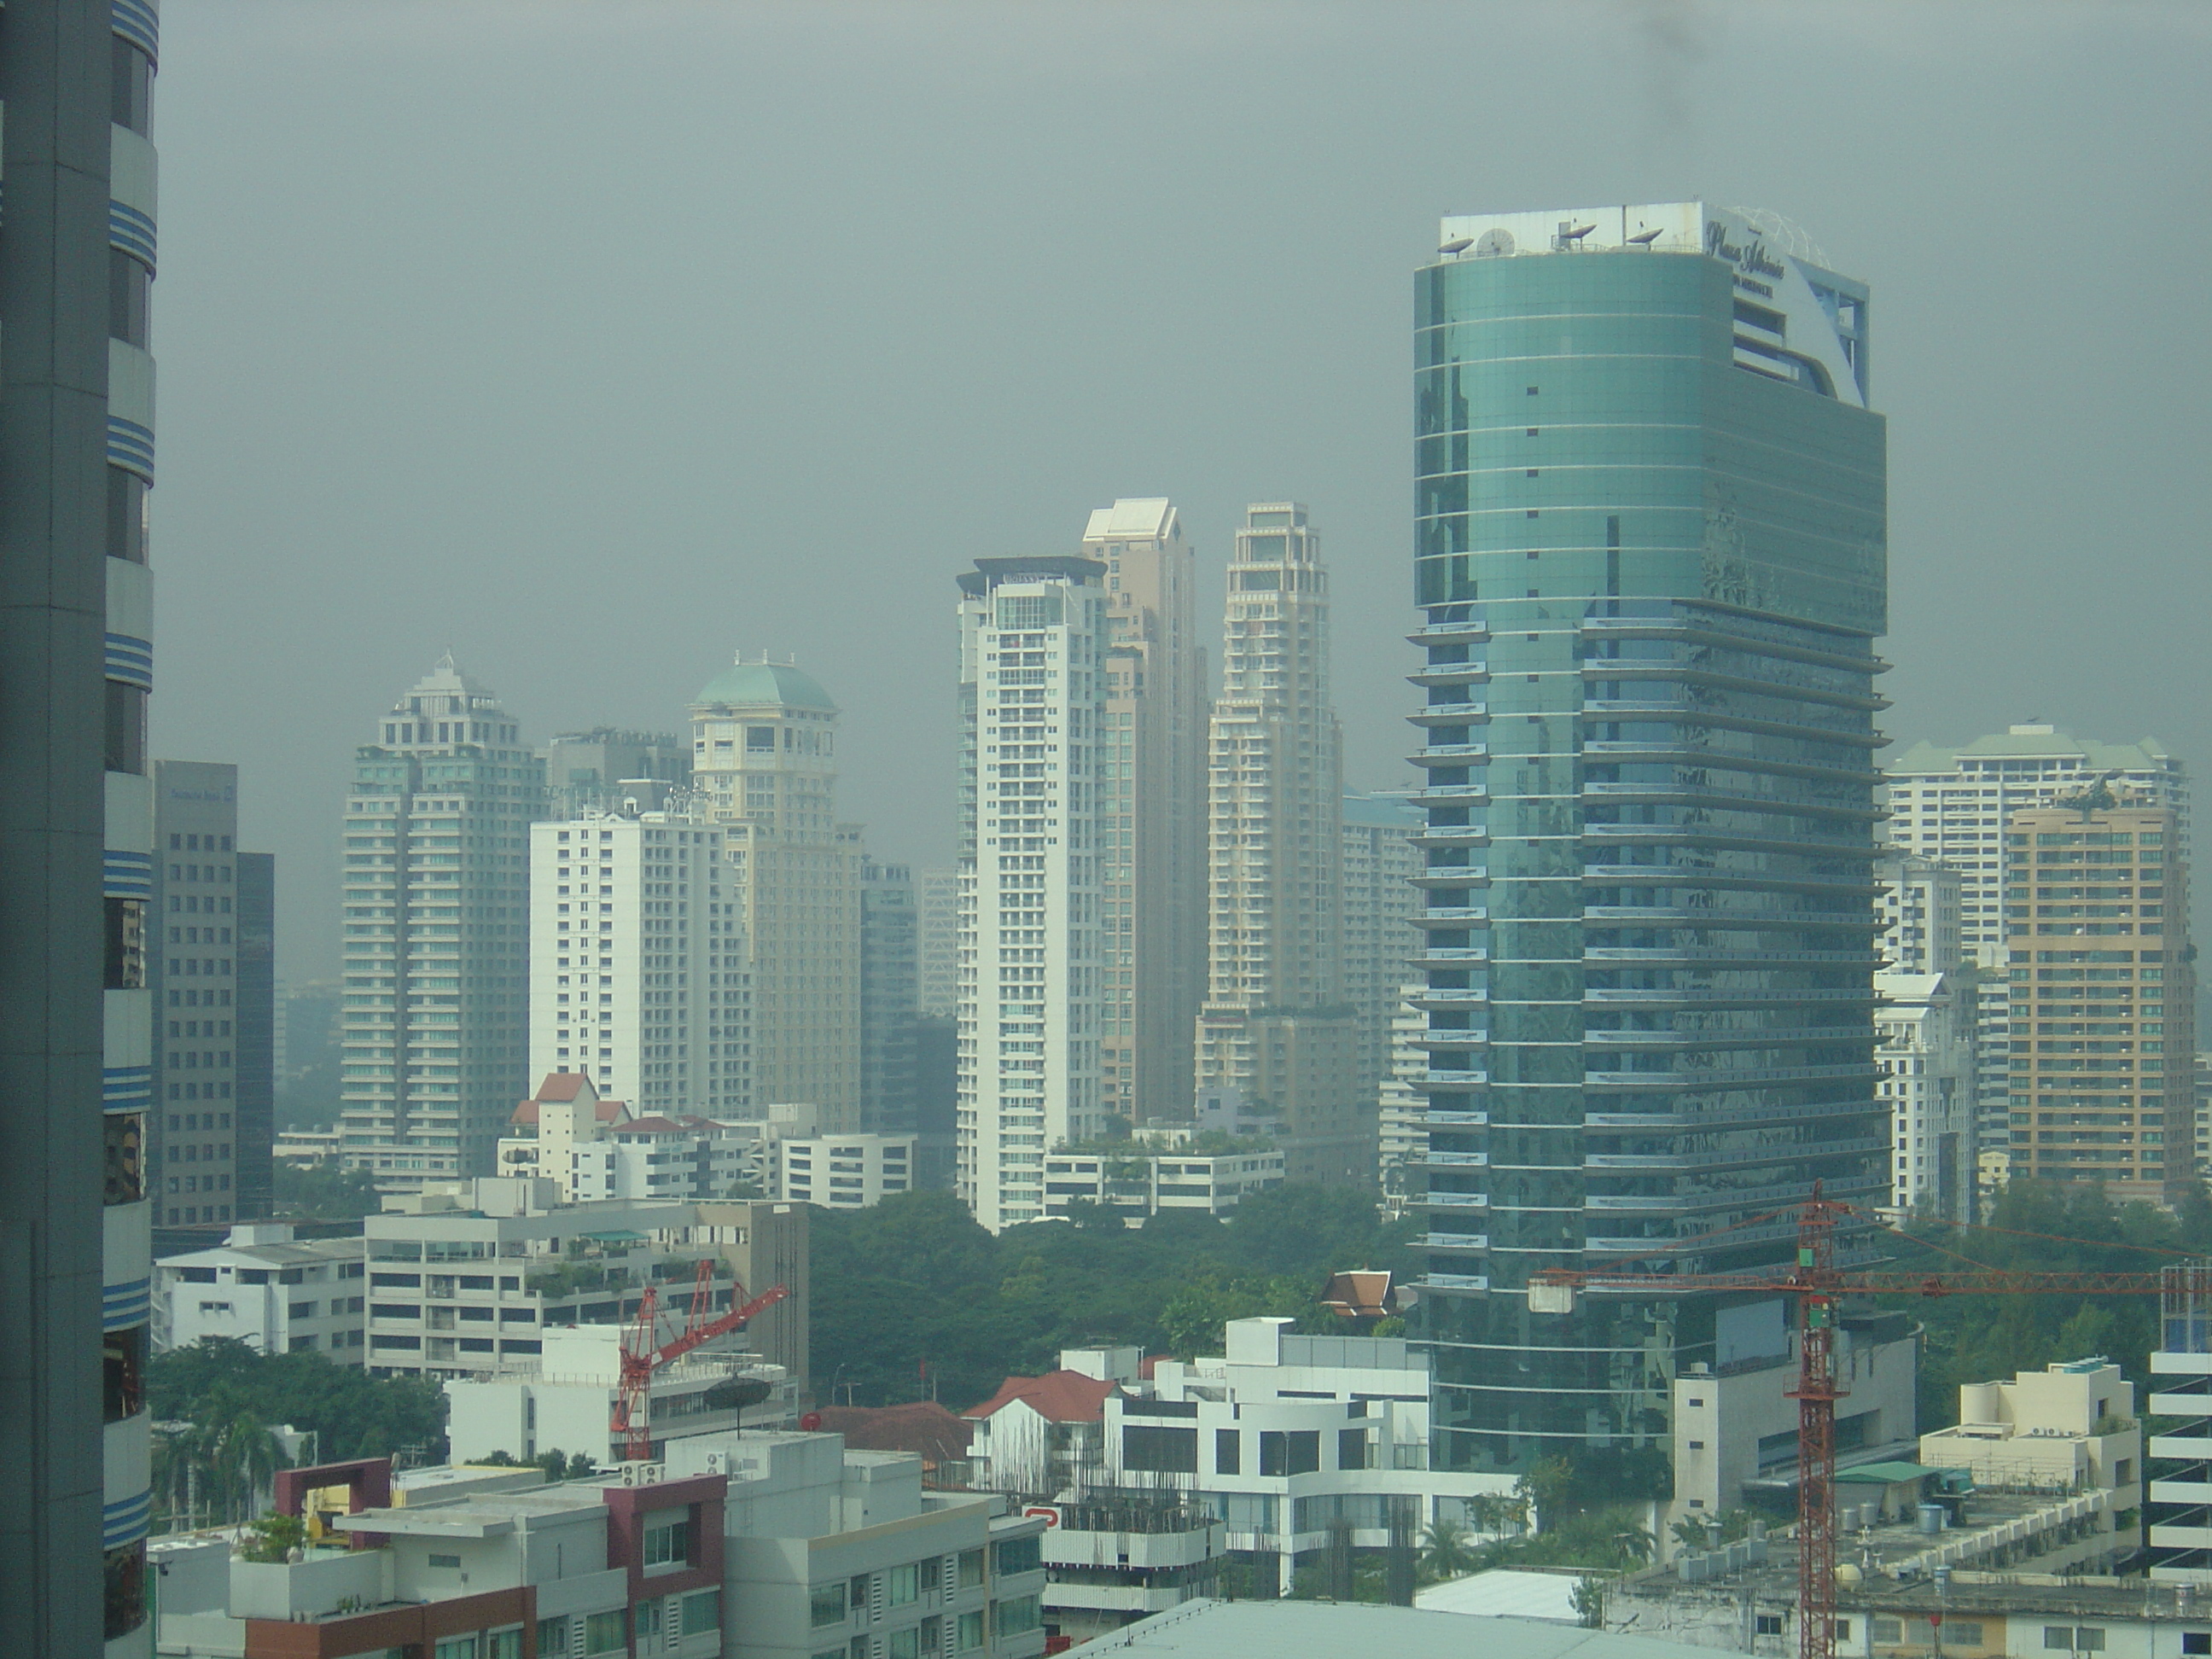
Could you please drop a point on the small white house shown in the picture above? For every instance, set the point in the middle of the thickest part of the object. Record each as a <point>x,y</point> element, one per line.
<point>266,1288</point>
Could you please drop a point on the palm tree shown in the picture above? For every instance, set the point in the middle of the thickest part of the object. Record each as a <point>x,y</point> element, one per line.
<point>1447,1549</point>
<point>246,1458</point>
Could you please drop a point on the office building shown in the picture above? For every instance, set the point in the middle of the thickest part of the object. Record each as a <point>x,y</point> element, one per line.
<point>764,765</point>
<point>210,968</point>
<point>437,956</point>
<point>1276,1025</point>
<point>76,1056</point>
<point>890,960</point>
<point>587,771</point>
<point>1926,1028</point>
<point>1033,638</point>
<point>637,965</point>
<point>936,911</point>
<point>1380,866</point>
<point>1919,904</point>
<point>1139,1182</point>
<point>1650,551</point>
<point>1950,806</point>
<point>1152,784</point>
<point>2100,974</point>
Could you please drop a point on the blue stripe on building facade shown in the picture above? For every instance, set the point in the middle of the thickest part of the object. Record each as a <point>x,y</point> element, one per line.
<point>131,445</point>
<point>126,875</point>
<point>138,22</point>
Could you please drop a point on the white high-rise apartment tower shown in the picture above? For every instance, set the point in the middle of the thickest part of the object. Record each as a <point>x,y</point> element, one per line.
<point>437,963</point>
<point>1276,1024</point>
<point>764,765</point>
<point>1951,804</point>
<point>637,965</point>
<point>1033,638</point>
<point>1153,845</point>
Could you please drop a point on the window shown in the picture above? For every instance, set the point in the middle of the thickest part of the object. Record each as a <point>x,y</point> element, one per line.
<point>125,1588</point>
<point>124,1372</point>
<point>1294,1451</point>
<point>123,958</point>
<point>130,287</point>
<point>606,1632</point>
<point>438,1560</point>
<point>2075,1638</point>
<point>1963,1632</point>
<point>455,1647</point>
<point>646,1616</point>
<point>505,1645</point>
<point>553,1635</point>
<point>902,1585</point>
<point>1228,1451</point>
<point>1018,1555</point>
<point>124,1139</point>
<point>971,1570</point>
<point>1351,1448</point>
<point>1886,1630</point>
<point>2197,1641</point>
<point>668,1538</point>
<point>903,1643</point>
<point>126,515</point>
<point>703,1612</point>
<point>1165,1451</point>
<point>828,1602</point>
<point>1767,1624</point>
<point>129,85</point>
<point>125,727</point>
<point>971,1631</point>
<point>1843,1630</point>
<point>1013,1617</point>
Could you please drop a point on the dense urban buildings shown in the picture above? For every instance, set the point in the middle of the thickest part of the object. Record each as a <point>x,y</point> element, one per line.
<point>1152,841</point>
<point>1379,864</point>
<point>2104,995</point>
<point>1949,806</point>
<point>76,1056</point>
<point>889,960</point>
<point>586,771</point>
<point>764,764</point>
<point>1927,1058</point>
<point>937,912</point>
<point>437,963</point>
<point>1033,648</point>
<point>1277,1023</point>
<point>1650,557</point>
<point>637,967</point>
<point>209,968</point>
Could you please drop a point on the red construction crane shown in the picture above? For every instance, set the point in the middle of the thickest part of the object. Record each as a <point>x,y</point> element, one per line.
<point>643,1352</point>
<point>1818,1283</point>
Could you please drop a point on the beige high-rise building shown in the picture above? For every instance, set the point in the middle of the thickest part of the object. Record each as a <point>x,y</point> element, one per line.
<point>1153,855</point>
<point>2103,994</point>
<point>1277,1022</point>
<point>764,764</point>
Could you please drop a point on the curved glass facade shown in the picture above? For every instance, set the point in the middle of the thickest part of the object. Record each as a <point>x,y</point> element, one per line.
<point>1651,576</point>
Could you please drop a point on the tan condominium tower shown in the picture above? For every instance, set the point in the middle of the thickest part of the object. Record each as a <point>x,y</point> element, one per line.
<point>2103,994</point>
<point>1277,1023</point>
<point>1152,853</point>
<point>764,765</point>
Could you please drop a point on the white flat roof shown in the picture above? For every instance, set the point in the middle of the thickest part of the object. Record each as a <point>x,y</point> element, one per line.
<point>1331,1630</point>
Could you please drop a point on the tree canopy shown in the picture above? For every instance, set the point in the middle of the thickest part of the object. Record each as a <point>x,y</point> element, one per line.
<point>915,1283</point>
<point>219,1380</point>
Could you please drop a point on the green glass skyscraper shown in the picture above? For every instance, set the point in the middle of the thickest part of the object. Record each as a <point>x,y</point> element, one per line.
<point>1651,558</point>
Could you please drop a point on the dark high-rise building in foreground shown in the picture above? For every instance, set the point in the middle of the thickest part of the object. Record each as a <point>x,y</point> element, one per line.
<point>1651,560</point>
<point>76,823</point>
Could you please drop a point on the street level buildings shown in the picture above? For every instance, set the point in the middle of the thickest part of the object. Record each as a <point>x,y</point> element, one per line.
<point>1649,553</point>
<point>1151,785</point>
<point>638,968</point>
<point>437,954</point>
<point>764,764</point>
<point>1277,1024</point>
<point>1033,644</point>
<point>2103,996</point>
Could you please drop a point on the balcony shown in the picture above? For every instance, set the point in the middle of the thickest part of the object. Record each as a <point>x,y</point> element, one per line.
<point>1450,794</point>
<point>1450,997</point>
<point>1452,834</point>
<point>1449,714</point>
<point>1468,630</point>
<point>1450,1080</point>
<point>1450,1119</point>
<point>1450,956</point>
<point>1450,916</point>
<point>1450,754</point>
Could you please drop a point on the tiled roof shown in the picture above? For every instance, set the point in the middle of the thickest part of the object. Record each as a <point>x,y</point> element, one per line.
<point>1359,1294</point>
<point>1057,1396</point>
<point>922,1426</point>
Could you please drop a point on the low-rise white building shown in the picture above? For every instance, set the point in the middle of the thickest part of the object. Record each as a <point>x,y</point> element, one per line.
<point>2069,1427</point>
<point>842,1172</point>
<point>266,1288</point>
<point>1114,1558</point>
<point>1142,1184</point>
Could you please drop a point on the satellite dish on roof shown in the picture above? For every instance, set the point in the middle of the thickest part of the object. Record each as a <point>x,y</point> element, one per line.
<point>1457,245</point>
<point>1645,238</point>
<point>1493,244</point>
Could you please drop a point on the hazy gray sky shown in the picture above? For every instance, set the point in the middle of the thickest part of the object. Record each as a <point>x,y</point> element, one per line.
<point>597,340</point>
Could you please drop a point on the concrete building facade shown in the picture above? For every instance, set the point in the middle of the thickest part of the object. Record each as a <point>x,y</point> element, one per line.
<point>1927,1058</point>
<point>1151,841</point>
<point>2100,972</point>
<point>1277,1024</point>
<point>936,919</point>
<point>1380,940</point>
<point>764,763</point>
<point>437,952</point>
<point>1033,683</point>
<point>638,966</point>
<point>889,999</point>
<point>842,1172</point>
<point>586,771</point>
<point>266,1288</point>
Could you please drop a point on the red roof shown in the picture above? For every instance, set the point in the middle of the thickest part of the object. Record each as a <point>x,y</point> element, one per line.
<point>652,1126</point>
<point>1360,1294</point>
<point>1057,1396</point>
<point>923,1426</point>
<point>561,1087</point>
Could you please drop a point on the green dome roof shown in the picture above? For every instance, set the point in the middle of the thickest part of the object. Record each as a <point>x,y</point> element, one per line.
<point>765,681</point>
